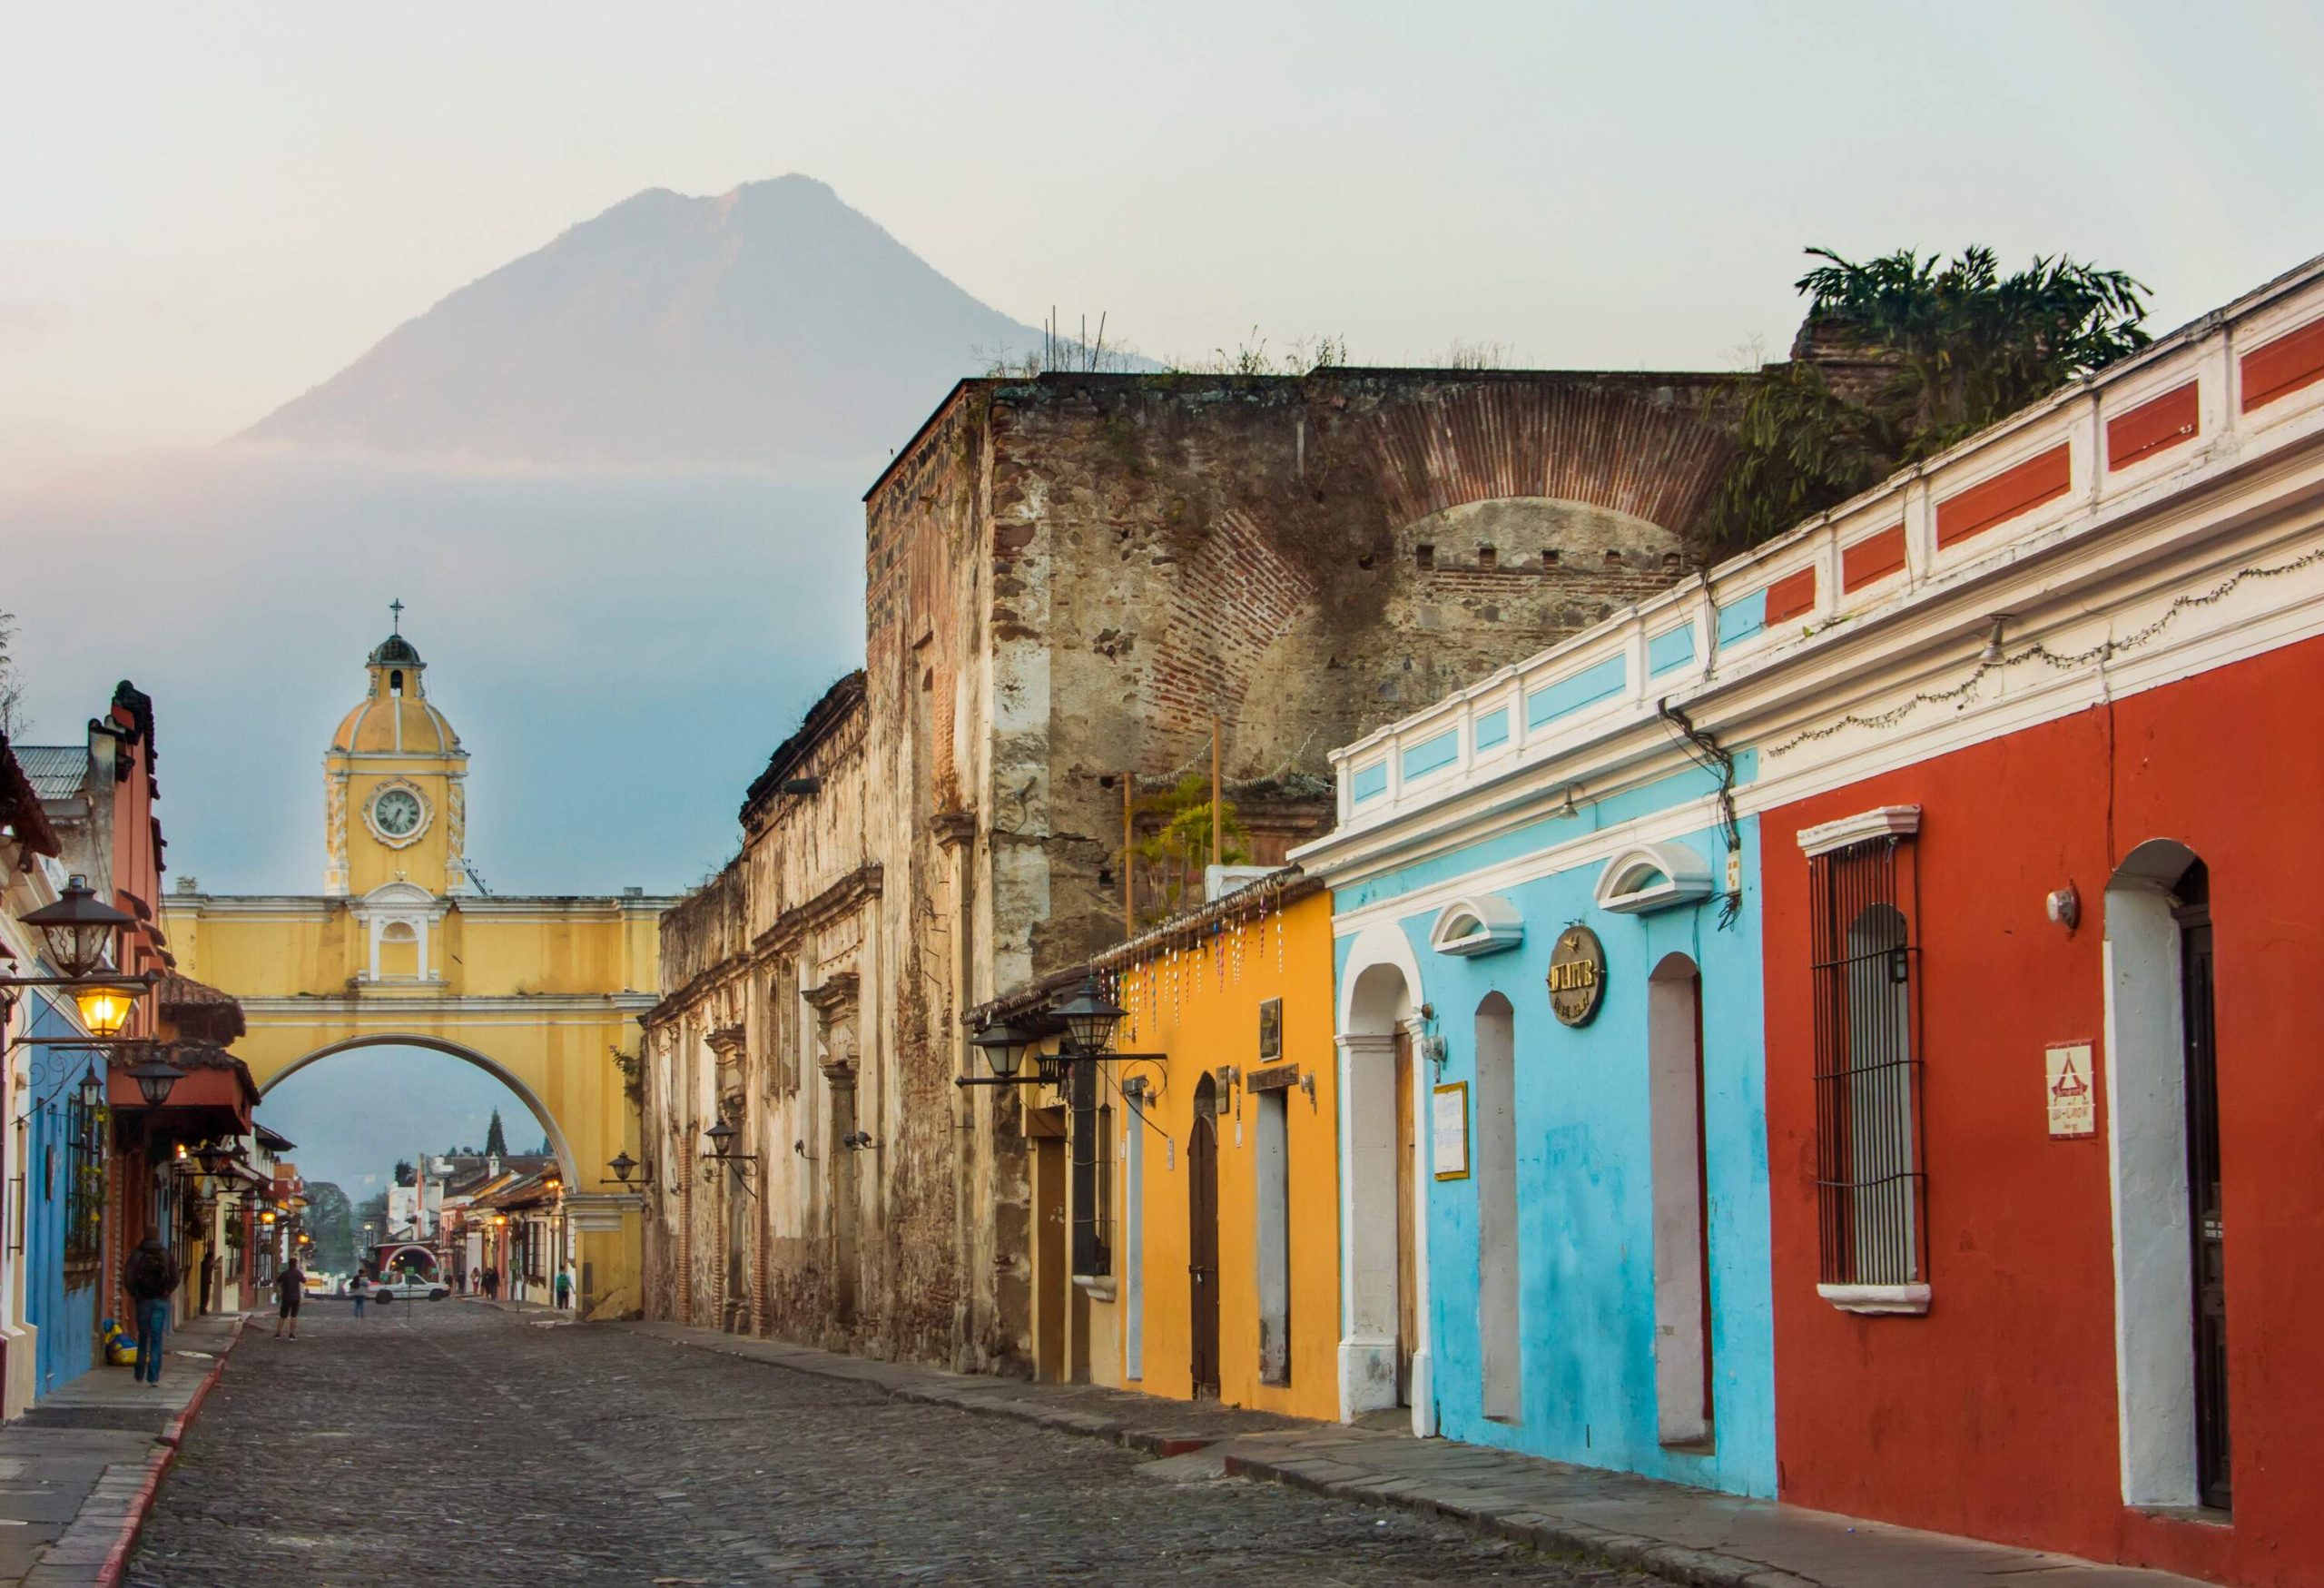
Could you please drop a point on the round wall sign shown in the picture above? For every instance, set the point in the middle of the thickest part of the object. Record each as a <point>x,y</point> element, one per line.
<point>1577,976</point>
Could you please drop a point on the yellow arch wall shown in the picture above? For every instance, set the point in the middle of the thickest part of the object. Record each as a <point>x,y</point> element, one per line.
<point>541,992</point>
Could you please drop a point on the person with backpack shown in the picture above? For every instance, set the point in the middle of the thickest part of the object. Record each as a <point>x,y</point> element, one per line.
<point>151,1277</point>
<point>564,1286</point>
<point>289,1289</point>
<point>357,1288</point>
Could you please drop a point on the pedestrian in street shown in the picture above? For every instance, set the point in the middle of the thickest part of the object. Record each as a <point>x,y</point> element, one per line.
<point>151,1277</point>
<point>356,1290</point>
<point>491,1283</point>
<point>289,1289</point>
<point>564,1286</point>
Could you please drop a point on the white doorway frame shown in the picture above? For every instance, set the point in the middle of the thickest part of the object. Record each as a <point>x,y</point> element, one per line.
<point>1381,995</point>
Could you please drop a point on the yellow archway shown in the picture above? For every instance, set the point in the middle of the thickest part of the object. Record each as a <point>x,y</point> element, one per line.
<point>403,947</point>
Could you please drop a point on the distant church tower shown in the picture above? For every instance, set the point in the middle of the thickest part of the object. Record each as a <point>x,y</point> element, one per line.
<point>395,804</point>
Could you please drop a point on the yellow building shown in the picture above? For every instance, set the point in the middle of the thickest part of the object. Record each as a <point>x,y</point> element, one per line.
<point>402,949</point>
<point>1191,1248</point>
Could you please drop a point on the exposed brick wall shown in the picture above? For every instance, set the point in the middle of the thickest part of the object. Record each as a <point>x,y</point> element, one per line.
<point>1066,578</point>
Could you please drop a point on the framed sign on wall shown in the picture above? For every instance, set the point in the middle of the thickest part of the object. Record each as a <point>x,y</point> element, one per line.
<point>1449,1130</point>
<point>1270,1029</point>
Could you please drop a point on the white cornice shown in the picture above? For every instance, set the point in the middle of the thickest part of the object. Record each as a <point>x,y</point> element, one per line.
<point>1888,822</point>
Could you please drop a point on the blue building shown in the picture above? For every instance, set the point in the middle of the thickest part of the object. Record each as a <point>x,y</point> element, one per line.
<point>1554,1219</point>
<point>65,1200</point>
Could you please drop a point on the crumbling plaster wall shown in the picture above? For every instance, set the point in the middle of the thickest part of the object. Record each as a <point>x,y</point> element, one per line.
<point>1068,576</point>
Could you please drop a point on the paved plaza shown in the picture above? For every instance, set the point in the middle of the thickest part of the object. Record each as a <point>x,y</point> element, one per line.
<point>456,1443</point>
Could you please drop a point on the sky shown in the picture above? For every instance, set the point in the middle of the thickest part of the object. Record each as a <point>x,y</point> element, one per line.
<point>206,210</point>
<point>209,209</point>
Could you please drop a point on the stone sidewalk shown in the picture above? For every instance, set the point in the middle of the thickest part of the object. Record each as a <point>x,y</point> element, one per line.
<point>1685,1535</point>
<point>78,1472</point>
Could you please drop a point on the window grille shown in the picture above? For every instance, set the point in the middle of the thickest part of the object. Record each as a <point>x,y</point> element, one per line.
<point>84,1181</point>
<point>1870,1182</point>
<point>1092,1185</point>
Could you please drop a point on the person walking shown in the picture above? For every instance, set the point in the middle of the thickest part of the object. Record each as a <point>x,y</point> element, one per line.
<point>289,1289</point>
<point>149,1275</point>
<point>491,1283</point>
<point>357,1292</point>
<point>563,1286</point>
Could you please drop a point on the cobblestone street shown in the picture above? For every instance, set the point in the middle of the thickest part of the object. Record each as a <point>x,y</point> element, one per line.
<point>453,1443</point>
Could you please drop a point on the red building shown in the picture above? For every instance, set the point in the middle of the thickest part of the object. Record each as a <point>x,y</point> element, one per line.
<point>2043,927</point>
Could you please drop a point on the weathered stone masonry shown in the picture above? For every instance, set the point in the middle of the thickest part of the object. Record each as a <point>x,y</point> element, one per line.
<point>1067,579</point>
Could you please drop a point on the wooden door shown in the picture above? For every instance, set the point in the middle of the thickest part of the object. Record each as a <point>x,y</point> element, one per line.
<point>1407,1226</point>
<point>1202,1250</point>
<point>2213,1469</point>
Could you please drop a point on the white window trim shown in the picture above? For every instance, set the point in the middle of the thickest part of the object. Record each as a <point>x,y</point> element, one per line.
<point>1888,822</point>
<point>1684,878</point>
<point>1878,1300</point>
<point>1499,926</point>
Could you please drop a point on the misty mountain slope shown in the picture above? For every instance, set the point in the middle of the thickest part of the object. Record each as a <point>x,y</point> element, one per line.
<point>770,324</point>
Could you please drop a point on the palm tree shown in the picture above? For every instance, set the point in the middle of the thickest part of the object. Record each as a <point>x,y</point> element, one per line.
<point>1935,351</point>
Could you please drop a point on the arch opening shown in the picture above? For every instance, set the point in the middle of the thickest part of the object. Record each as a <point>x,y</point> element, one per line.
<point>1500,1333</point>
<point>1383,1356</point>
<point>550,1127</point>
<point>2164,1161</point>
<point>1677,1151</point>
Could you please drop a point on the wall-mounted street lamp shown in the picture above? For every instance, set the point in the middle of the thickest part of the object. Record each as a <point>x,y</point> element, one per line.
<point>624,1165</point>
<point>155,1079</point>
<point>80,931</point>
<point>78,928</point>
<point>718,1143</point>
<point>1084,1021</point>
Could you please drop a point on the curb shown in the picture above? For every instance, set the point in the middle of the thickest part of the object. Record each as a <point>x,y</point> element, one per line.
<point>1550,1534</point>
<point>157,1465</point>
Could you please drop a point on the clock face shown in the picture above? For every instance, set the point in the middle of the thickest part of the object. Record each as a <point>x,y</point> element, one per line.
<point>396,812</point>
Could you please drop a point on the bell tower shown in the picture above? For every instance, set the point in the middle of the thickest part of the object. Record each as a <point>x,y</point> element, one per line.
<point>394,794</point>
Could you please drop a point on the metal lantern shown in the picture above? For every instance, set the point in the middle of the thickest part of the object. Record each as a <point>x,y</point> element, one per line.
<point>1090,1017</point>
<point>1004,1046</point>
<point>105,1005</point>
<point>154,1079</point>
<point>623,1165</point>
<point>720,1137</point>
<point>79,928</point>
<point>92,1090</point>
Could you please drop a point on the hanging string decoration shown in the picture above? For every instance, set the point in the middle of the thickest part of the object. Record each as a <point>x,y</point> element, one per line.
<point>1960,695</point>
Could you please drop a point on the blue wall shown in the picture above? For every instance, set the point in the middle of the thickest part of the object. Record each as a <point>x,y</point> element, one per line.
<point>65,1315</point>
<point>1585,1196</point>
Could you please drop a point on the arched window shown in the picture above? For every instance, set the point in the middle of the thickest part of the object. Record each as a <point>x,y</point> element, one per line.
<point>395,682</point>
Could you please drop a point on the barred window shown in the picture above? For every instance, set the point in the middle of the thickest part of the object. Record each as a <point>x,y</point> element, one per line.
<point>1093,1182</point>
<point>1869,1167</point>
<point>85,1180</point>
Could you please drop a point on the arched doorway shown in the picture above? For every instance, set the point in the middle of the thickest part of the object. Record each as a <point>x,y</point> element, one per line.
<point>1682,1320</point>
<point>1202,1240</point>
<point>1384,1358</point>
<point>1499,1333</point>
<point>2170,1251</point>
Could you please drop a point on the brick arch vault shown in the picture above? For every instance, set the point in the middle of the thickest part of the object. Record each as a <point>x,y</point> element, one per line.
<point>1433,527</point>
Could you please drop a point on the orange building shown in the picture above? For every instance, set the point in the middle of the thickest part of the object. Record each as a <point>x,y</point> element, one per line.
<point>1185,1237</point>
